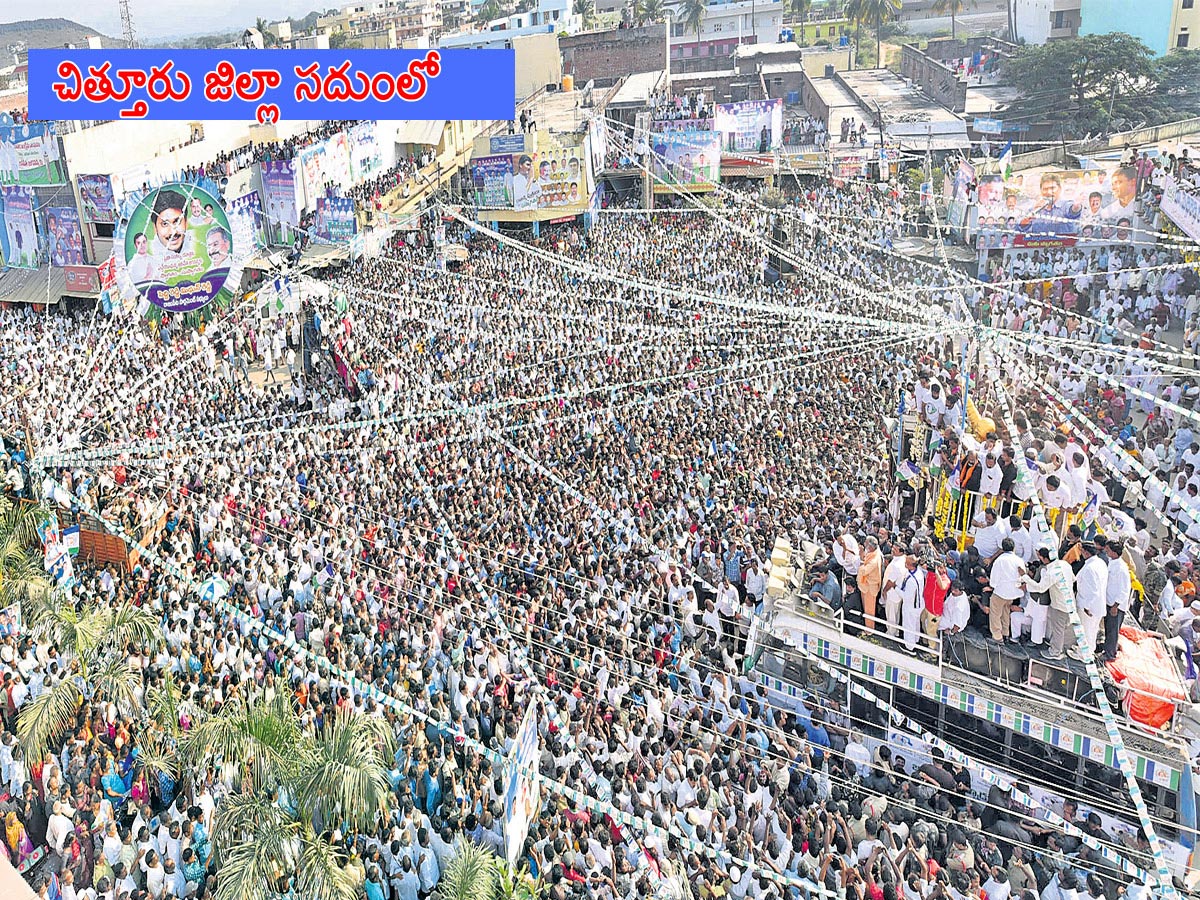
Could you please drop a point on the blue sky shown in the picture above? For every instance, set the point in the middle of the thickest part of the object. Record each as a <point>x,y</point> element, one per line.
<point>158,19</point>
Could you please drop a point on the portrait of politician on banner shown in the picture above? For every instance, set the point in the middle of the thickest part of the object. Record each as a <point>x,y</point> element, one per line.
<point>178,247</point>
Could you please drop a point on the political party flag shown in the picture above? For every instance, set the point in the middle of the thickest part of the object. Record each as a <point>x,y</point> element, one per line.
<point>1006,162</point>
<point>70,540</point>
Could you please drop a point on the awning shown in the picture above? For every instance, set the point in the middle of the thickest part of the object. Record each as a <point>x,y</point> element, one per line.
<point>34,286</point>
<point>428,133</point>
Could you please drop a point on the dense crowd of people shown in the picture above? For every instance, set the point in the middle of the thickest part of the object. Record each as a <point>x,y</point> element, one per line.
<point>559,477</point>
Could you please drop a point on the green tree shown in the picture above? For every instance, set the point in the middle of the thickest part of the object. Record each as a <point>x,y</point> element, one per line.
<point>22,577</point>
<point>953,9</point>
<point>339,40</point>
<point>489,11</point>
<point>654,10</point>
<point>691,13</point>
<point>1083,84</point>
<point>1176,76</point>
<point>801,9</point>
<point>335,779</point>
<point>268,39</point>
<point>471,875</point>
<point>92,640</point>
<point>877,12</point>
<point>586,10</point>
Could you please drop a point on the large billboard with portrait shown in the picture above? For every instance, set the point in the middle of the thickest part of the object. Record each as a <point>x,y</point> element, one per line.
<point>1060,208</point>
<point>279,192</point>
<point>19,234</point>
<point>335,219</point>
<point>29,153</point>
<point>96,199</point>
<point>178,247</point>
<point>1182,205</point>
<point>685,160</point>
<point>63,242</point>
<point>755,125</point>
<point>366,157</point>
<point>247,221</point>
<point>491,181</point>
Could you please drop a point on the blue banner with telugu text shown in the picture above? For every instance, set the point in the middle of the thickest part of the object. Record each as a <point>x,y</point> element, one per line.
<point>271,85</point>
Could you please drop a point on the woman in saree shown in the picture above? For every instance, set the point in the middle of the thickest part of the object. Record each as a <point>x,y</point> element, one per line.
<point>19,845</point>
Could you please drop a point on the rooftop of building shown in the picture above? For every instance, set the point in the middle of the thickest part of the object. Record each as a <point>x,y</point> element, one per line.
<point>896,99</point>
<point>638,88</point>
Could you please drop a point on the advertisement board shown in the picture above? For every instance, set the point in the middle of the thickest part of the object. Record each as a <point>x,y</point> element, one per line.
<point>19,235</point>
<point>64,243</point>
<point>335,218</point>
<point>279,189</point>
<point>82,278</point>
<point>1059,208</point>
<point>29,153</point>
<point>690,160</point>
<point>178,247</point>
<point>96,199</point>
<point>553,179</point>
<point>521,792</point>
<point>750,125</point>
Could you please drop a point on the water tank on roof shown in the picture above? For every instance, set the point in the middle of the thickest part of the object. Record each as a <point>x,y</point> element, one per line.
<point>568,82</point>
<point>829,71</point>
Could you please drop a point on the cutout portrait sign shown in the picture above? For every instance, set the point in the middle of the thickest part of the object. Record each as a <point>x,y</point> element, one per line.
<point>179,247</point>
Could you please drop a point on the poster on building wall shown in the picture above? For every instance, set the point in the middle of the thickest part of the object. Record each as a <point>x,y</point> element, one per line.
<point>96,199</point>
<point>336,170</point>
<point>29,153</point>
<point>63,242</point>
<point>279,191</point>
<point>562,179</point>
<point>310,169</point>
<point>19,235</point>
<point>491,181</point>
<point>335,219</point>
<point>750,125</point>
<point>685,160</point>
<point>1061,208</point>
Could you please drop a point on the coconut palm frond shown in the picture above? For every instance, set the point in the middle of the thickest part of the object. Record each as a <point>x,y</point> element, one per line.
<point>319,872</point>
<point>471,875</point>
<point>47,717</point>
<point>19,521</point>
<point>131,623</point>
<point>116,680</point>
<point>344,779</point>
<point>242,817</point>
<point>266,736</point>
<point>159,756</point>
<point>251,868</point>
<point>24,581</point>
<point>165,704</point>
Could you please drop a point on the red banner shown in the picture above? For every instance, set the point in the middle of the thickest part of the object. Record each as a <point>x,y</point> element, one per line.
<point>83,278</point>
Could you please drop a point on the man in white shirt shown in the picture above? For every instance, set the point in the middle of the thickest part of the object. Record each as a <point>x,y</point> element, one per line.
<point>1091,590</point>
<point>893,575</point>
<point>956,611</point>
<point>1056,578</point>
<point>1007,578</point>
<point>989,535</point>
<point>1117,593</point>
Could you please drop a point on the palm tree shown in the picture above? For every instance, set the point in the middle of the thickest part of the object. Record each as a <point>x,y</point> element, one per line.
<point>490,10</point>
<point>953,9</point>
<point>692,13</point>
<point>800,9</point>
<point>92,641</point>
<point>637,12</point>
<point>515,883</point>
<point>22,577</point>
<point>654,10</point>
<point>586,10</point>
<point>471,875</point>
<point>336,779</point>
<point>856,12</point>
<point>876,11</point>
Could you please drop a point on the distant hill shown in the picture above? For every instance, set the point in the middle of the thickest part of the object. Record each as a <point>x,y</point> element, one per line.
<point>43,33</point>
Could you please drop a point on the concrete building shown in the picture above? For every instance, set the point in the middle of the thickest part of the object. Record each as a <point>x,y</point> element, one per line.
<point>413,20</point>
<point>282,31</point>
<point>1039,21</point>
<point>604,56</point>
<point>725,25</point>
<point>1163,24</point>
<point>311,42</point>
<point>538,61</point>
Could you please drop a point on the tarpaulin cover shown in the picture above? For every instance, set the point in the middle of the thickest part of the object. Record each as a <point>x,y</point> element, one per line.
<point>1144,665</point>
